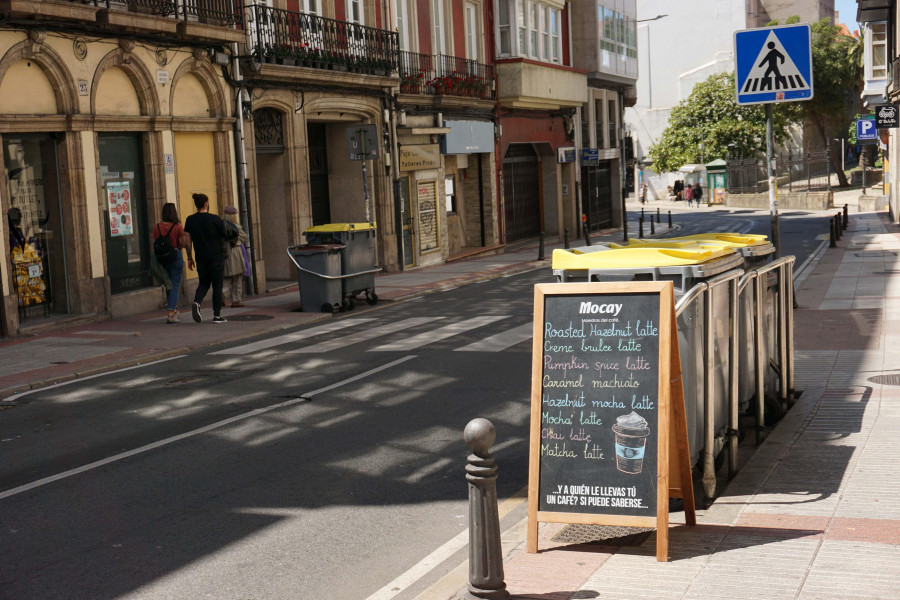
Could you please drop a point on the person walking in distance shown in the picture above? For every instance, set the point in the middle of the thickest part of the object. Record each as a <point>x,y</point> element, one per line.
<point>689,194</point>
<point>236,265</point>
<point>698,193</point>
<point>170,227</point>
<point>205,234</point>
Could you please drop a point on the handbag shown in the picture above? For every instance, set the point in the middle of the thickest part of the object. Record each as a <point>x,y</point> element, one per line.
<point>246,261</point>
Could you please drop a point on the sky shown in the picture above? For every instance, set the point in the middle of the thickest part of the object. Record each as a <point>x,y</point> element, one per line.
<point>847,10</point>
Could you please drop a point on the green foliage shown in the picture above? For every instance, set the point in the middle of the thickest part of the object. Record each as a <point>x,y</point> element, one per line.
<point>836,74</point>
<point>712,116</point>
<point>792,20</point>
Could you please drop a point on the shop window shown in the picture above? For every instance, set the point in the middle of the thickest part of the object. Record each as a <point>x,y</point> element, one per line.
<point>125,212</point>
<point>450,194</point>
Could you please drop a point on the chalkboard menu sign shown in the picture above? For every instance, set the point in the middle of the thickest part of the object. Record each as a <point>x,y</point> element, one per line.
<point>602,407</point>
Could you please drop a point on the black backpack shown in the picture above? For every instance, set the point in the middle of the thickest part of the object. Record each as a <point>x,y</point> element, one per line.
<point>163,249</point>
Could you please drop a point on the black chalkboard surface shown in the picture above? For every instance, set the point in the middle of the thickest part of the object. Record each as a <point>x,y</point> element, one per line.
<point>608,431</point>
<point>599,404</point>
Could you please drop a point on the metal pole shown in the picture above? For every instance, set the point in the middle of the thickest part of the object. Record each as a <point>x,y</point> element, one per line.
<point>485,552</point>
<point>773,196</point>
<point>652,226</point>
<point>832,240</point>
<point>760,316</point>
<point>641,227</point>
<point>566,238</point>
<point>733,369</point>
<point>670,219</point>
<point>709,405</point>
<point>657,215</point>
<point>846,217</point>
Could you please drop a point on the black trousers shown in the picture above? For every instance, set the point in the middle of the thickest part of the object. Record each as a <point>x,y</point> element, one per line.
<point>210,274</point>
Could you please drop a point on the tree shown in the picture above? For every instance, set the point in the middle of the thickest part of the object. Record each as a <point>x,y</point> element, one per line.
<point>711,116</point>
<point>836,77</point>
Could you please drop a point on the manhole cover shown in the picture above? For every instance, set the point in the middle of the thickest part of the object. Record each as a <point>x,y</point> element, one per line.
<point>604,535</point>
<point>250,317</point>
<point>885,379</point>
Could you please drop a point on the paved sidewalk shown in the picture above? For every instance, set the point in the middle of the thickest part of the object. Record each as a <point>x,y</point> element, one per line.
<point>814,513</point>
<point>69,351</point>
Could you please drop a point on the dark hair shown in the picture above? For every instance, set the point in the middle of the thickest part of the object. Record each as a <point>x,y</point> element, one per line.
<point>199,200</point>
<point>170,213</point>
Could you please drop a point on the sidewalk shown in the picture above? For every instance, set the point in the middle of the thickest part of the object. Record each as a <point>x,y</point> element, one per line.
<point>66,352</point>
<point>813,514</point>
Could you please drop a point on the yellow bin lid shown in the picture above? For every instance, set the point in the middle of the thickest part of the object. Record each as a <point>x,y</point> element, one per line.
<point>737,240</point>
<point>637,257</point>
<point>334,227</point>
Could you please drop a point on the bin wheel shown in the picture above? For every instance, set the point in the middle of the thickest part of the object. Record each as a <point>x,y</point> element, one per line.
<point>349,303</point>
<point>372,299</point>
<point>327,308</point>
<point>773,411</point>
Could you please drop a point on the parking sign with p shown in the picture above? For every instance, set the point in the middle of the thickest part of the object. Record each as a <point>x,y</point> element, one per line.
<point>866,131</point>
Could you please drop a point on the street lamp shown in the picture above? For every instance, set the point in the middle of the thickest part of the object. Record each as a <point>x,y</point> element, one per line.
<point>649,76</point>
<point>653,19</point>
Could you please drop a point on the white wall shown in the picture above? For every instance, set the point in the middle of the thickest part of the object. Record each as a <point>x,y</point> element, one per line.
<point>694,41</point>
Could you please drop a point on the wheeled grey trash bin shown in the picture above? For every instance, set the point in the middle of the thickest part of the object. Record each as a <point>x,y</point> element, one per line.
<point>358,266</point>
<point>318,276</point>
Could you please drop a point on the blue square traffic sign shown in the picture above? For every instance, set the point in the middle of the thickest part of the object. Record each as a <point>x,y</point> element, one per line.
<point>773,64</point>
<point>866,130</point>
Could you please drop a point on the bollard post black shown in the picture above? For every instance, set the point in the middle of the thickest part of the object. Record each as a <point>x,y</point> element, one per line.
<point>846,219</point>
<point>670,219</point>
<point>587,237</point>
<point>566,238</point>
<point>642,212</point>
<point>485,551</point>
<point>657,215</point>
<point>541,246</point>
<point>832,241</point>
<point>641,227</point>
<point>652,226</point>
<point>837,223</point>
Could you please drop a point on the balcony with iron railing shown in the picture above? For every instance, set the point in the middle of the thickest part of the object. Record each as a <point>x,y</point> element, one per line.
<point>442,75</point>
<point>303,40</point>
<point>213,21</point>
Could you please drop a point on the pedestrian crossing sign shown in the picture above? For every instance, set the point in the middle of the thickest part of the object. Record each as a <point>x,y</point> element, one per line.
<point>773,64</point>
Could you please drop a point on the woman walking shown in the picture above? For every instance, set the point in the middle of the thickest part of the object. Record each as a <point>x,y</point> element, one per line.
<point>170,227</point>
<point>235,264</point>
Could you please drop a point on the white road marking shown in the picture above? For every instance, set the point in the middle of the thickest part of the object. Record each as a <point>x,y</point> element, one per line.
<point>501,341</point>
<point>363,336</point>
<point>441,333</point>
<point>287,338</point>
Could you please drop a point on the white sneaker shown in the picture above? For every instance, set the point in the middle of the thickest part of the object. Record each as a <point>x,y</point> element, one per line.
<point>195,312</point>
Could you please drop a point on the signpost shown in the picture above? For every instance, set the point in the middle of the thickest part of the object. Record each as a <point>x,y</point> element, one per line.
<point>362,145</point>
<point>773,64</point>
<point>609,441</point>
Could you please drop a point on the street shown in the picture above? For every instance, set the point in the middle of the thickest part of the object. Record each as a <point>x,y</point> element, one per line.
<point>319,463</point>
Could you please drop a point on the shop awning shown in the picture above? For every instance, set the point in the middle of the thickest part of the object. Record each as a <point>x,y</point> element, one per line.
<point>691,169</point>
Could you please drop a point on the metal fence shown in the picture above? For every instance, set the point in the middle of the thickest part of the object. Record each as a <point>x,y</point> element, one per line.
<point>808,171</point>
<point>442,74</point>
<point>215,12</point>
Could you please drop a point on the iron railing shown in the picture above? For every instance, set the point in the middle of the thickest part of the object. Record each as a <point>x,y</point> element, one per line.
<point>436,74</point>
<point>808,171</point>
<point>214,12</point>
<point>301,39</point>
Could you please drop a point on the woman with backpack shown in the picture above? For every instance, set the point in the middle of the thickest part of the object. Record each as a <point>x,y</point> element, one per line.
<point>168,240</point>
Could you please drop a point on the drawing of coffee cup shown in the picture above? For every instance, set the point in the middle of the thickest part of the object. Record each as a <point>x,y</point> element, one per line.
<point>631,439</point>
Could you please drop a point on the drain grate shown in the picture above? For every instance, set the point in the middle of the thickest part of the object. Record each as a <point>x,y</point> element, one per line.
<point>885,379</point>
<point>250,317</point>
<point>604,535</point>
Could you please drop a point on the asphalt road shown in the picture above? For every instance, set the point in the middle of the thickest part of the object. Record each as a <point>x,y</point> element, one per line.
<point>322,463</point>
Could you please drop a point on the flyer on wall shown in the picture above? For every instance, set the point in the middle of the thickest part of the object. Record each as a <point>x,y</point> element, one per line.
<point>118,194</point>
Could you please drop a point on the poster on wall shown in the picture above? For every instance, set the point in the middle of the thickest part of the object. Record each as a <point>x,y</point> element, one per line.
<point>118,194</point>
<point>24,171</point>
<point>428,219</point>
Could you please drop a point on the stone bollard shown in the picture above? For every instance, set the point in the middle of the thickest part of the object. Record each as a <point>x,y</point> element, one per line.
<point>846,218</point>
<point>658,215</point>
<point>541,246</point>
<point>832,240</point>
<point>670,219</point>
<point>566,238</point>
<point>485,551</point>
<point>641,227</point>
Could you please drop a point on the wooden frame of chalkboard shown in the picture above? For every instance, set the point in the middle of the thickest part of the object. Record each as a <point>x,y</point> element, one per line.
<point>609,439</point>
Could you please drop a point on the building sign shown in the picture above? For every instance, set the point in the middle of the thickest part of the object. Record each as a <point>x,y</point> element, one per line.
<point>416,158</point>
<point>468,137</point>
<point>886,116</point>
<point>565,154</point>
<point>590,157</point>
<point>362,142</point>
<point>118,194</point>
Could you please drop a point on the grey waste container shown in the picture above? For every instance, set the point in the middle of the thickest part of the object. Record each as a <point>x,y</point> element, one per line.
<point>318,276</point>
<point>568,267</point>
<point>358,257</point>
